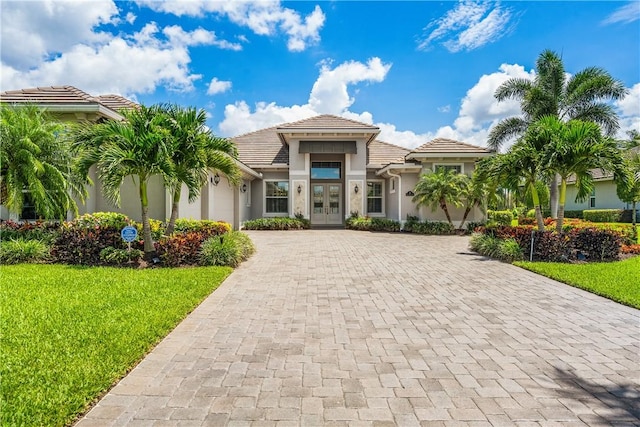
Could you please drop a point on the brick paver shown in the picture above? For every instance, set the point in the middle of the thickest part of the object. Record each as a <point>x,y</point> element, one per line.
<point>352,328</point>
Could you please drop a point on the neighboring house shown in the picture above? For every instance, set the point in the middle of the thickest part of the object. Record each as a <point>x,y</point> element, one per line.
<point>324,168</point>
<point>604,195</point>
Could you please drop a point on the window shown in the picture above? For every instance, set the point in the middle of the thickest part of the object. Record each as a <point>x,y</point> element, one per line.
<point>277,197</point>
<point>592,199</point>
<point>457,168</point>
<point>393,185</point>
<point>374,197</point>
<point>325,170</point>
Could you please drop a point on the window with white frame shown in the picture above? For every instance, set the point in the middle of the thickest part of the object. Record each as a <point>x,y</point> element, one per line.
<point>448,166</point>
<point>276,197</point>
<point>375,197</point>
<point>592,199</point>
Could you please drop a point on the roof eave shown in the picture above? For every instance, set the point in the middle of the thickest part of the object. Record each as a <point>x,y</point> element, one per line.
<point>402,167</point>
<point>440,155</point>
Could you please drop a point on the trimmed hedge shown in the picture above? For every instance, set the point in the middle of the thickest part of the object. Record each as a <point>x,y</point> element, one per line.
<point>500,217</point>
<point>277,223</point>
<point>364,223</point>
<point>603,215</point>
<point>431,227</point>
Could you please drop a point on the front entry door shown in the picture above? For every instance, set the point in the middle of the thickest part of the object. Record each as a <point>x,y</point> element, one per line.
<point>327,204</point>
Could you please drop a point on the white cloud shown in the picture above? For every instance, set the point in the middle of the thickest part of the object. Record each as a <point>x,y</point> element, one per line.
<point>31,30</point>
<point>130,18</point>
<point>444,108</point>
<point>135,64</point>
<point>200,36</point>
<point>329,95</point>
<point>218,86</point>
<point>469,25</point>
<point>629,111</point>
<point>624,14</point>
<point>265,18</point>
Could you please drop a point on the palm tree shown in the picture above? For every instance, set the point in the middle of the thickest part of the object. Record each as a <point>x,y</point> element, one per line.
<point>474,194</point>
<point>139,147</point>
<point>35,163</point>
<point>628,181</point>
<point>439,188</point>
<point>576,148</point>
<point>583,96</point>
<point>520,166</point>
<point>194,152</point>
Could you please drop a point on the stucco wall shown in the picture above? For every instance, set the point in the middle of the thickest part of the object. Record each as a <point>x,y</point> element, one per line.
<point>606,198</point>
<point>409,181</point>
<point>130,200</point>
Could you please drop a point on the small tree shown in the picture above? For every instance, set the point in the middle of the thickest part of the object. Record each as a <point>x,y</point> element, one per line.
<point>628,181</point>
<point>439,189</point>
<point>474,195</point>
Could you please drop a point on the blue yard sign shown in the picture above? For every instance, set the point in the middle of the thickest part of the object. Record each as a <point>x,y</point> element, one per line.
<point>129,234</point>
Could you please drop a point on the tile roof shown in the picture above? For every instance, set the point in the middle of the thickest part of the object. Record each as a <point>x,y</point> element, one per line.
<point>116,102</point>
<point>383,153</point>
<point>599,174</point>
<point>327,121</point>
<point>262,147</point>
<point>444,145</point>
<point>48,95</point>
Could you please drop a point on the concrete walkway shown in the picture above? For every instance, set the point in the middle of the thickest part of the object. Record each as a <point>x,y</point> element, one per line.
<point>345,328</point>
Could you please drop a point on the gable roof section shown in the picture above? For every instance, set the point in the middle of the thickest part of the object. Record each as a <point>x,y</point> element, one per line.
<point>327,121</point>
<point>261,148</point>
<point>444,147</point>
<point>382,153</point>
<point>68,99</point>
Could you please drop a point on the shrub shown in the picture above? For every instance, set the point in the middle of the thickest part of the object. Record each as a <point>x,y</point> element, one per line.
<point>210,228</point>
<point>595,244</point>
<point>277,223</point>
<point>500,217</point>
<point>372,224</point>
<point>473,225</point>
<point>114,256</point>
<point>573,214</point>
<point>509,250</point>
<point>180,248</point>
<point>429,227</point>
<point>603,215</point>
<point>46,232</point>
<point>80,241</point>
<point>227,249</point>
<point>630,249</point>
<point>531,213</point>
<point>15,251</point>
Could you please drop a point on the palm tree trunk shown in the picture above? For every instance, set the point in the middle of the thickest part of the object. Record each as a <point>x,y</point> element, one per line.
<point>174,210</point>
<point>553,196</point>
<point>443,205</point>
<point>536,205</point>
<point>464,217</point>
<point>149,248</point>
<point>562,200</point>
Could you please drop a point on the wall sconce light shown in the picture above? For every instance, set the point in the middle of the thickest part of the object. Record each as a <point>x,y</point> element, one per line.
<point>356,189</point>
<point>243,189</point>
<point>410,193</point>
<point>216,179</point>
<point>299,189</point>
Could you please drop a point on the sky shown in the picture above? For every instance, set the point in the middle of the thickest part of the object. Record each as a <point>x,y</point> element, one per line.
<point>417,69</point>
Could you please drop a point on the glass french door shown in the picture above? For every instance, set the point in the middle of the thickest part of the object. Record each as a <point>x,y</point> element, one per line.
<point>326,204</point>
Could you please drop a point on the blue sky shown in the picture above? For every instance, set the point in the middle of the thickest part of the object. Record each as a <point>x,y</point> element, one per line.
<point>417,69</point>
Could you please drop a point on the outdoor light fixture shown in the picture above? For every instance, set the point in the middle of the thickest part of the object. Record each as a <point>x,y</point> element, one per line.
<point>216,179</point>
<point>299,189</point>
<point>356,189</point>
<point>243,189</point>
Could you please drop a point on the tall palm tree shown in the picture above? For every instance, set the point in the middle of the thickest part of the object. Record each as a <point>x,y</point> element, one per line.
<point>576,149</point>
<point>137,147</point>
<point>35,163</point>
<point>440,188</point>
<point>195,150</point>
<point>583,96</point>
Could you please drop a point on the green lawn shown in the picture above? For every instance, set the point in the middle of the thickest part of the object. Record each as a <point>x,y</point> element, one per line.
<point>69,333</point>
<point>619,281</point>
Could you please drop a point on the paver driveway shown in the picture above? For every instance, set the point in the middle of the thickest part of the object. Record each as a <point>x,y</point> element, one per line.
<point>353,328</point>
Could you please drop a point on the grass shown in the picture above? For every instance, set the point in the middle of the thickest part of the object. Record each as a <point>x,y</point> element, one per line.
<point>69,333</point>
<point>618,281</point>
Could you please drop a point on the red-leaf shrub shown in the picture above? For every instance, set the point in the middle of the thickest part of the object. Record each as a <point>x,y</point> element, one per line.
<point>595,244</point>
<point>46,231</point>
<point>181,248</point>
<point>630,249</point>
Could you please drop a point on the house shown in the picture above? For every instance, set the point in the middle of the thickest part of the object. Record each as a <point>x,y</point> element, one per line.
<point>324,168</point>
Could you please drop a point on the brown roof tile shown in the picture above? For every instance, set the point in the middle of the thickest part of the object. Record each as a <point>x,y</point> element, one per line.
<point>444,145</point>
<point>117,102</point>
<point>48,95</point>
<point>383,153</point>
<point>327,121</point>
<point>262,147</point>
